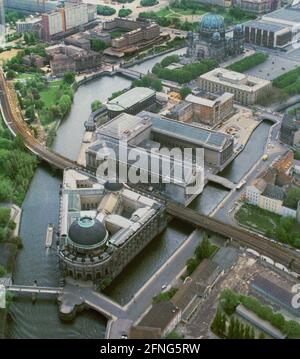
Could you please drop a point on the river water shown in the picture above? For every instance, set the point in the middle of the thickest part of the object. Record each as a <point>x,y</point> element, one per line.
<point>40,320</point>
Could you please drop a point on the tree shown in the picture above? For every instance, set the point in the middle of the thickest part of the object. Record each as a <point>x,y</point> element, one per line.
<point>231,328</point>
<point>105,10</point>
<point>2,271</point>
<point>184,92</point>
<point>147,3</point>
<point>69,77</point>
<point>124,12</point>
<point>204,249</point>
<point>252,333</point>
<point>6,189</point>
<point>247,332</point>
<point>229,301</point>
<point>98,45</point>
<point>95,105</point>
<point>218,325</point>
<point>292,197</point>
<point>278,320</point>
<point>191,265</point>
<point>10,75</point>
<point>4,216</point>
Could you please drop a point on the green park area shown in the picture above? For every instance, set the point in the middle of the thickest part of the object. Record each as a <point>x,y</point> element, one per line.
<point>289,82</point>
<point>176,14</point>
<point>45,101</point>
<point>272,225</point>
<point>49,93</point>
<point>248,62</point>
<point>184,74</point>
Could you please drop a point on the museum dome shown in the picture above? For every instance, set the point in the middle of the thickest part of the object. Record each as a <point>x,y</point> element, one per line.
<point>212,23</point>
<point>87,231</point>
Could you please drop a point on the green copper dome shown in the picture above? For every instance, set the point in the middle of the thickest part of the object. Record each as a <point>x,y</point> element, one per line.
<point>87,231</point>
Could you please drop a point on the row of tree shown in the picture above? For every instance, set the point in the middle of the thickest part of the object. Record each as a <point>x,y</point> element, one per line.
<point>229,300</point>
<point>248,62</point>
<point>185,74</point>
<point>235,329</point>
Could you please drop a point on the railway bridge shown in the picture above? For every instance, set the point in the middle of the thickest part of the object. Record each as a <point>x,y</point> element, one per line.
<point>13,118</point>
<point>259,243</point>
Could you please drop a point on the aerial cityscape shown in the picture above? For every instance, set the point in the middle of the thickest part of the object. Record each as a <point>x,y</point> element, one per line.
<point>149,170</point>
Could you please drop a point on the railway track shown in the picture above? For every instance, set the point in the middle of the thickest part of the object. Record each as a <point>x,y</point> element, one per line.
<point>17,125</point>
<point>276,251</point>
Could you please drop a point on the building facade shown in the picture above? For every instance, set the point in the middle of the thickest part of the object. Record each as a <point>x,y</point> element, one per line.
<point>32,6</point>
<point>65,19</point>
<point>158,170</point>
<point>212,40</point>
<point>290,129</point>
<point>103,226</point>
<point>246,89</point>
<point>64,58</point>
<point>276,29</point>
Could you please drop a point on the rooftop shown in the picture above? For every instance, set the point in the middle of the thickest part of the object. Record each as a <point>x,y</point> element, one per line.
<point>188,132</point>
<point>274,192</point>
<point>159,316</point>
<point>288,15</point>
<point>275,289</point>
<point>124,126</point>
<point>235,79</point>
<point>130,98</point>
<point>265,25</point>
<point>204,275</point>
<point>207,102</point>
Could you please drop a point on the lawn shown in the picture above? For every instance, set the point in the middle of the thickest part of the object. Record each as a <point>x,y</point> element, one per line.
<point>48,95</point>
<point>282,229</point>
<point>257,218</point>
<point>117,33</point>
<point>174,12</point>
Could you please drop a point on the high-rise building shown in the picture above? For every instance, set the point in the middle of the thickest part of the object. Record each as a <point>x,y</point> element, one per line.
<point>31,5</point>
<point>67,18</point>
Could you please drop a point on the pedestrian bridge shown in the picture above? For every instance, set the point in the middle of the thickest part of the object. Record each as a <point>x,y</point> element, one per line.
<point>33,289</point>
<point>132,74</point>
<point>221,180</point>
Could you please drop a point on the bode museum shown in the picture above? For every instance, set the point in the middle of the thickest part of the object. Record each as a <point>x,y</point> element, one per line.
<point>213,41</point>
<point>103,226</point>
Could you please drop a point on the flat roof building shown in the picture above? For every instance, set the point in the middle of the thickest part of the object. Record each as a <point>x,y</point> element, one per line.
<point>275,29</point>
<point>128,135</point>
<point>276,290</point>
<point>163,317</point>
<point>246,89</point>
<point>132,102</point>
<point>209,110</point>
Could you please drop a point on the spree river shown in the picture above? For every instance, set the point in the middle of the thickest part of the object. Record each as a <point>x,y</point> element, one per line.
<point>41,205</point>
